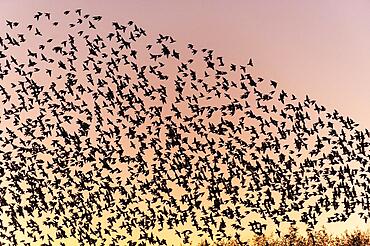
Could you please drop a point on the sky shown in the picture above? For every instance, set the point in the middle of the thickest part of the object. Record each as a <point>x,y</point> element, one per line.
<point>319,48</point>
<point>315,48</point>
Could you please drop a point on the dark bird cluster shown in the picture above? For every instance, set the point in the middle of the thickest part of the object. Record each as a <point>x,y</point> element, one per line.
<point>106,141</point>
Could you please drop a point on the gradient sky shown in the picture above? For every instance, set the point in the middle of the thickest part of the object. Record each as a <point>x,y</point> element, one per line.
<point>313,47</point>
<point>319,48</point>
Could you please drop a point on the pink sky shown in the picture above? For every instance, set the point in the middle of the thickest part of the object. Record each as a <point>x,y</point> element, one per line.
<point>320,48</point>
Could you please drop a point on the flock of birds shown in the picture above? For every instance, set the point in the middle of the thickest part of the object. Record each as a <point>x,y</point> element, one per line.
<point>110,139</point>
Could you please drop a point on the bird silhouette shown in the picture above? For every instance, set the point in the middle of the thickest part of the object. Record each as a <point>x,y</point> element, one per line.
<point>109,141</point>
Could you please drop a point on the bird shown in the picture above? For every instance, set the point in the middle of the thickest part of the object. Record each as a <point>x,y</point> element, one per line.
<point>250,62</point>
<point>102,127</point>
